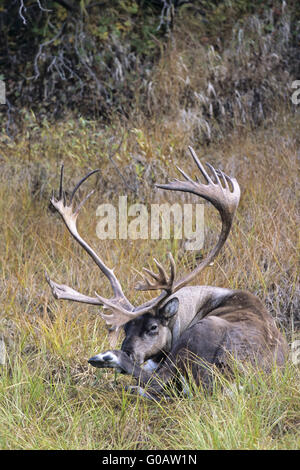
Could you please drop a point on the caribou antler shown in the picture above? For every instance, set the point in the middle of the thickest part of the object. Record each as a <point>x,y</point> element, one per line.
<point>219,193</point>
<point>225,199</point>
<point>69,216</point>
<point>122,310</point>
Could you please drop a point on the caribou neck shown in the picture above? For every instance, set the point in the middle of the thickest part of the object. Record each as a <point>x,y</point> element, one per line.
<point>195,302</point>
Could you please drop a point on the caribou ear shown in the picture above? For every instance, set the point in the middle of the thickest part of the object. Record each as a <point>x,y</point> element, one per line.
<point>169,309</point>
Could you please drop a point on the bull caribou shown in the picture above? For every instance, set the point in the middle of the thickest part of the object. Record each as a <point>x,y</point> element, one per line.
<point>185,327</point>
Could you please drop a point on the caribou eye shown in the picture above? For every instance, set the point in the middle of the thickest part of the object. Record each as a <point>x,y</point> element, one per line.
<point>153,329</point>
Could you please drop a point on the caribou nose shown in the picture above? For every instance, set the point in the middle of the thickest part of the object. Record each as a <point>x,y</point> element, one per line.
<point>95,361</point>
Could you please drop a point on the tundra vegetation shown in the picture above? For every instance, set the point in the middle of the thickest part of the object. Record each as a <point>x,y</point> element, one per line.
<point>126,87</point>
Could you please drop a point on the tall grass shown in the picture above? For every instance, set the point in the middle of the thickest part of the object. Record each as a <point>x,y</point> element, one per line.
<point>41,411</point>
<point>230,104</point>
<point>49,397</point>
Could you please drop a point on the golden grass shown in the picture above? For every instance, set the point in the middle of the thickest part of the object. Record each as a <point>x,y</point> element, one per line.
<point>49,397</point>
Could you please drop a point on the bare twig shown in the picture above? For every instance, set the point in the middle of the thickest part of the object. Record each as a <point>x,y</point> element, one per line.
<point>41,46</point>
<point>21,9</point>
<point>40,6</point>
<point>167,15</point>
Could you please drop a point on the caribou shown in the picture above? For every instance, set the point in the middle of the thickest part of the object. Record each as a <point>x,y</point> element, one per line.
<point>186,328</point>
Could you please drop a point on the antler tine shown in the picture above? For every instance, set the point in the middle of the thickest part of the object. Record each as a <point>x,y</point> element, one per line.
<point>80,183</point>
<point>162,273</point>
<point>163,281</point>
<point>199,165</point>
<point>83,202</point>
<point>61,182</point>
<point>173,267</point>
<point>152,274</point>
<point>62,194</point>
<point>215,172</point>
<point>184,175</point>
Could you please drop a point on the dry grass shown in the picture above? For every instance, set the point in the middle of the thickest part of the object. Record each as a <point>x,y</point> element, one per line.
<point>49,397</point>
